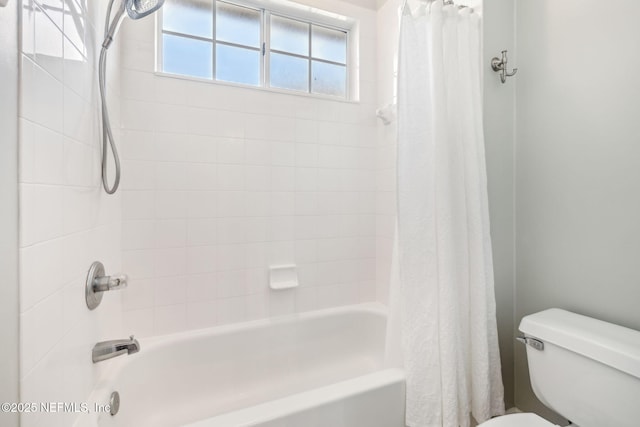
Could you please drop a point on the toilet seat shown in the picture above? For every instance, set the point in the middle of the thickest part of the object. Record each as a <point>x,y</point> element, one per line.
<point>518,420</point>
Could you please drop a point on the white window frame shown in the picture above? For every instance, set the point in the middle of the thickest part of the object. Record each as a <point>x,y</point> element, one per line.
<point>309,58</point>
<point>292,11</point>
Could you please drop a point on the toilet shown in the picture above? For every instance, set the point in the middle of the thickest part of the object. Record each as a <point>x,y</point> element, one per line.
<point>584,369</point>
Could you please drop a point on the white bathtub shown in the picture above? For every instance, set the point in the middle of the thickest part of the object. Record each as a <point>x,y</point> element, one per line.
<point>321,369</point>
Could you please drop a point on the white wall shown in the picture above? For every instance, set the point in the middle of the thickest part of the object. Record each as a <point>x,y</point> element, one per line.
<point>66,220</point>
<point>578,163</point>
<point>220,182</point>
<point>9,211</point>
<point>499,131</point>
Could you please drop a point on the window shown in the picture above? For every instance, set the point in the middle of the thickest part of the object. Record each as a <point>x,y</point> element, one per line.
<point>231,42</point>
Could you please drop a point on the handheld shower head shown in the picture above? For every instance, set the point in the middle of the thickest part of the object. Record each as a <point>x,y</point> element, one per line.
<point>137,9</point>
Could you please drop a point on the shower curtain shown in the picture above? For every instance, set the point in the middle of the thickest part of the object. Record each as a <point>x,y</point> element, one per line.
<point>442,323</point>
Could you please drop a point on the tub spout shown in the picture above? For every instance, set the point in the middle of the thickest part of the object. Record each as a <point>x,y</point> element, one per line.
<point>107,349</point>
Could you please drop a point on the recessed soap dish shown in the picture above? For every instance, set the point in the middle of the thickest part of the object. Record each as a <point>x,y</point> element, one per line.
<point>283,277</point>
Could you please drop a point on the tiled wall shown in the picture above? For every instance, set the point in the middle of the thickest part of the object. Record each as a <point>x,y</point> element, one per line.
<point>66,220</point>
<point>220,182</point>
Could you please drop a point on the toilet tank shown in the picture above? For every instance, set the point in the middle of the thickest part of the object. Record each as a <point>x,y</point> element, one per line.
<point>588,370</point>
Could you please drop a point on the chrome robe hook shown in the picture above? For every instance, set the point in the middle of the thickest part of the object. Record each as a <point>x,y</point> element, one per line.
<point>499,65</point>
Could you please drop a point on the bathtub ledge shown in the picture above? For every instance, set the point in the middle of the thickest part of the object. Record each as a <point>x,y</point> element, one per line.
<point>280,408</point>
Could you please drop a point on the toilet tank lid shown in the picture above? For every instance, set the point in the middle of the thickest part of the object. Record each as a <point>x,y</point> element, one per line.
<point>613,345</point>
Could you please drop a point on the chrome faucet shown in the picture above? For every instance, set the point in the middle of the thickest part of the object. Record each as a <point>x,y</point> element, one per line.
<point>107,349</point>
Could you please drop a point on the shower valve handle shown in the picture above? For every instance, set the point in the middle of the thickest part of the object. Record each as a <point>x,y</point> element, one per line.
<point>110,283</point>
<point>98,283</point>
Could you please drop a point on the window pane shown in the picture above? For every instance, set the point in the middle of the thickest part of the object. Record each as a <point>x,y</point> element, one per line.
<point>194,17</point>
<point>329,79</point>
<point>189,57</point>
<point>289,72</point>
<point>288,35</point>
<point>236,24</point>
<point>329,44</point>
<point>235,64</point>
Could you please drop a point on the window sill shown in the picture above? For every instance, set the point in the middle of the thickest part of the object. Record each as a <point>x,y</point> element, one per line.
<point>259,88</point>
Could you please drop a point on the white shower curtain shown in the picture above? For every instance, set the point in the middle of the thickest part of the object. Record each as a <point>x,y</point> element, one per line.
<point>442,326</point>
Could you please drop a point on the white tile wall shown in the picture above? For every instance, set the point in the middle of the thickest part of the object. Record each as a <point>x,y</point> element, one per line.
<point>220,182</point>
<point>66,221</point>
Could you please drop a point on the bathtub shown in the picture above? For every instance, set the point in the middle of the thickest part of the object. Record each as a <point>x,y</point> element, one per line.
<point>321,368</point>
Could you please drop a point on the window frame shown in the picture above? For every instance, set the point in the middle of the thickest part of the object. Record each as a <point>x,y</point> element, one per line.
<point>310,58</point>
<point>260,48</point>
<point>309,18</point>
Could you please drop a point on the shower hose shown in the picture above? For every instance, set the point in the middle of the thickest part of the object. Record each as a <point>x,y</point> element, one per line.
<point>107,134</point>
